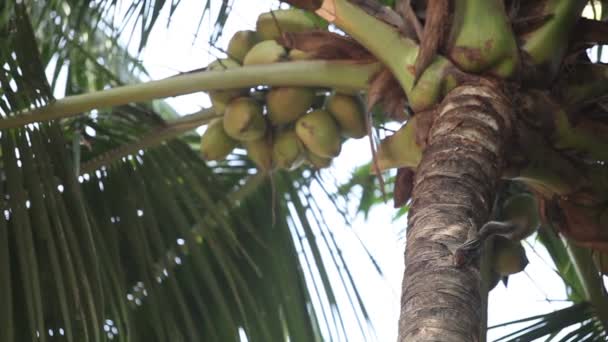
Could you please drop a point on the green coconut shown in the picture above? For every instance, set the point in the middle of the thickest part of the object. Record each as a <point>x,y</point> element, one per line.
<point>244,119</point>
<point>509,257</point>
<point>287,150</point>
<point>319,133</point>
<point>260,152</point>
<point>286,104</point>
<point>318,162</point>
<point>241,43</point>
<point>349,113</point>
<point>215,143</point>
<point>265,52</point>
<point>272,24</point>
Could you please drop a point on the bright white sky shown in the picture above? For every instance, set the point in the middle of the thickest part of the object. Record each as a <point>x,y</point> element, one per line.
<point>176,49</point>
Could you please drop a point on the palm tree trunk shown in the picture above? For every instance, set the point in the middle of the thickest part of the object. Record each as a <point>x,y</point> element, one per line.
<point>453,192</point>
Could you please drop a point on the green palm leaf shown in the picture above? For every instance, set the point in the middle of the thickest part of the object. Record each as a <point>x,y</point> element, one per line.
<point>580,317</point>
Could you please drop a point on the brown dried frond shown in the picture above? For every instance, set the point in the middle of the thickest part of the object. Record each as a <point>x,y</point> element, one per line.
<point>326,45</point>
<point>404,183</point>
<point>385,90</point>
<point>435,28</point>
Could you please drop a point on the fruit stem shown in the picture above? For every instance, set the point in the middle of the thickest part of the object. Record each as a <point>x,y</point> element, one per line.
<point>396,51</point>
<point>334,74</point>
<point>174,128</point>
<point>547,45</point>
<point>493,49</point>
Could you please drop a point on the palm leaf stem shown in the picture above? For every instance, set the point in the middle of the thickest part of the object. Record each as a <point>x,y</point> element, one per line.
<point>174,128</point>
<point>591,280</point>
<point>336,74</point>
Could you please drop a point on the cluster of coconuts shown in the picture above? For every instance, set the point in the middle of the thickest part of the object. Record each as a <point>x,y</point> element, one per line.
<point>279,127</point>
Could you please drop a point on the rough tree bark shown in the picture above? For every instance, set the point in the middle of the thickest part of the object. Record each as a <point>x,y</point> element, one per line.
<point>453,193</point>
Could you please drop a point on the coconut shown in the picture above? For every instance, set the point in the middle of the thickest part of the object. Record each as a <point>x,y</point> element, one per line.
<point>260,152</point>
<point>266,52</point>
<point>318,162</point>
<point>241,43</point>
<point>215,143</point>
<point>319,133</point>
<point>509,257</point>
<point>287,150</point>
<point>272,24</point>
<point>349,113</point>
<point>286,104</point>
<point>244,119</point>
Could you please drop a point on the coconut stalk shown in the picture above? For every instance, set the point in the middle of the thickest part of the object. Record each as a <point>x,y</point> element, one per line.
<point>331,74</point>
<point>397,52</point>
<point>493,49</point>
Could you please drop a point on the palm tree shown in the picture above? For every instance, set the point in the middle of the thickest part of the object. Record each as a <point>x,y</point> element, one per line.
<point>154,244</point>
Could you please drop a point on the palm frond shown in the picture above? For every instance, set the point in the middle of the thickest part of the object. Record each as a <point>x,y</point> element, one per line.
<point>579,317</point>
<point>364,184</point>
<point>565,268</point>
<point>22,80</point>
<point>158,245</point>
